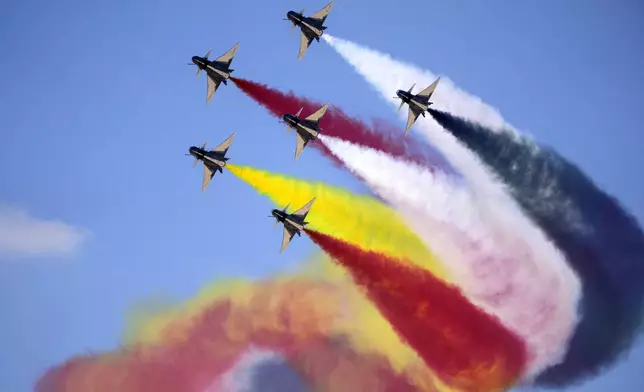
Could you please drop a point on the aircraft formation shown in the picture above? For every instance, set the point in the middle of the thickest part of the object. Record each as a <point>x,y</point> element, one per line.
<point>306,128</point>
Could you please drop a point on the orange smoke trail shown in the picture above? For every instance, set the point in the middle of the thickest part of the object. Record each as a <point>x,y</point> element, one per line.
<point>292,317</point>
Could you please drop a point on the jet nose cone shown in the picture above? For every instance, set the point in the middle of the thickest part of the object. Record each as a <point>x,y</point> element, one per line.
<point>292,16</point>
<point>195,59</point>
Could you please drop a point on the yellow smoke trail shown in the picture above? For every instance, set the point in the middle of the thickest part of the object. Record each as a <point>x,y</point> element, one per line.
<point>357,219</point>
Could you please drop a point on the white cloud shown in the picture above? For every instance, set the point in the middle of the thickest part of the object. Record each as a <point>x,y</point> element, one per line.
<point>27,236</point>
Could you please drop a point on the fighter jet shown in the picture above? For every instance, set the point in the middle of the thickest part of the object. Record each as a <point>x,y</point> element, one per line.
<point>418,104</point>
<point>293,223</point>
<point>306,129</point>
<point>312,26</point>
<point>218,70</point>
<point>213,160</point>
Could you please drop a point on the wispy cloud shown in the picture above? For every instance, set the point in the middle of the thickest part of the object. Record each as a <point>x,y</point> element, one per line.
<point>22,235</point>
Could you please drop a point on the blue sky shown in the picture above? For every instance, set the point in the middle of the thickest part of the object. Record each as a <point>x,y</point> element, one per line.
<point>98,108</point>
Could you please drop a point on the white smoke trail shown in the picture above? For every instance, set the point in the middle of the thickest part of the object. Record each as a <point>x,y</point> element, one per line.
<point>387,75</point>
<point>493,265</point>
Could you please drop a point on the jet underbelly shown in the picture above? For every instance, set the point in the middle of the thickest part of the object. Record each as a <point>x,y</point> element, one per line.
<point>214,161</point>
<point>293,224</point>
<point>307,132</point>
<point>219,72</point>
<point>419,105</point>
<point>313,29</point>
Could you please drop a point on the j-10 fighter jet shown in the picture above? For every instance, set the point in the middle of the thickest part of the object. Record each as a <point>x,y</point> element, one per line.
<point>418,104</point>
<point>312,26</point>
<point>217,70</point>
<point>293,223</point>
<point>213,160</point>
<point>306,129</point>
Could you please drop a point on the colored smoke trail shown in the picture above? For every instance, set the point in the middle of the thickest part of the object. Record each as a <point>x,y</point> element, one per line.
<point>357,219</point>
<point>468,349</point>
<point>380,136</point>
<point>369,333</point>
<point>495,269</point>
<point>603,242</point>
<point>386,75</point>
<point>293,318</point>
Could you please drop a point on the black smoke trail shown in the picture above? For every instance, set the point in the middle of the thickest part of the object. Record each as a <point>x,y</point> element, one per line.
<point>601,241</point>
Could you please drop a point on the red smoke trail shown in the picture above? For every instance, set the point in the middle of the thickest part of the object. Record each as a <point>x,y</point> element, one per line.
<point>381,136</point>
<point>193,353</point>
<point>468,349</point>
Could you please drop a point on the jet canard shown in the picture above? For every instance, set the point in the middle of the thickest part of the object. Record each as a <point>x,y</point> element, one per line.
<point>418,103</point>
<point>306,129</point>
<point>293,223</point>
<point>213,160</point>
<point>312,27</point>
<point>218,71</point>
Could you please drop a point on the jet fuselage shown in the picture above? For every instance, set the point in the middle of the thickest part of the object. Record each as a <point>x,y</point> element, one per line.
<point>291,120</point>
<point>411,99</point>
<point>213,68</point>
<point>279,215</point>
<point>285,219</point>
<point>303,127</point>
<point>303,22</point>
<point>208,157</point>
